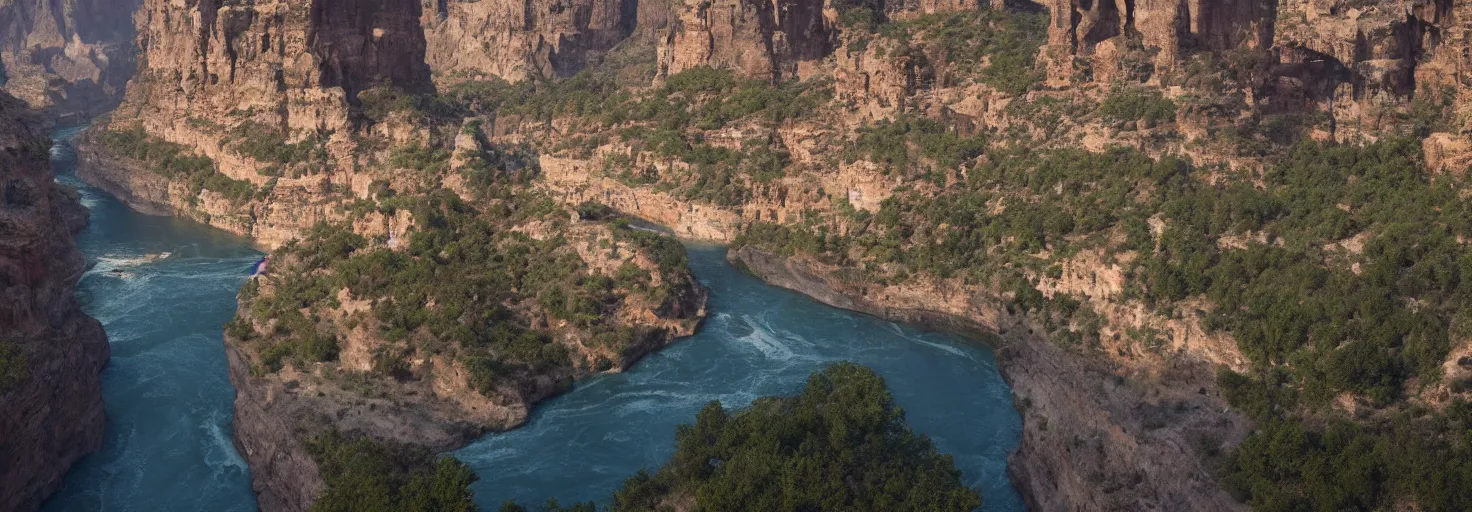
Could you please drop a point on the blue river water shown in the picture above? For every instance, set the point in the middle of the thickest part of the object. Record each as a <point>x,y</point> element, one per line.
<point>166,392</point>
<point>168,398</point>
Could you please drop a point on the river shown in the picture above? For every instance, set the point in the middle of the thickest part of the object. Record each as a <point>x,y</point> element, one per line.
<point>168,398</point>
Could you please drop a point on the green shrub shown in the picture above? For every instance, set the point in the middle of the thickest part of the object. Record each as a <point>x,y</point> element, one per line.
<point>14,365</point>
<point>367,476</point>
<point>267,144</point>
<point>840,444</point>
<point>1137,104</point>
<point>176,162</point>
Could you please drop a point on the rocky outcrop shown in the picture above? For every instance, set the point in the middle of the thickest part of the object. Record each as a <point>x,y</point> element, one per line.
<point>529,39</point>
<point>215,74</point>
<point>50,352</point>
<point>290,207</point>
<point>70,57</point>
<point>765,39</point>
<point>286,65</point>
<point>1362,62</point>
<point>1097,434</point>
<point>1079,27</point>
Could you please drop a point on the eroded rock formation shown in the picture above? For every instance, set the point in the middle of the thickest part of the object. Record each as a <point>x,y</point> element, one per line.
<point>767,39</point>
<point>50,352</point>
<point>71,57</point>
<point>530,39</point>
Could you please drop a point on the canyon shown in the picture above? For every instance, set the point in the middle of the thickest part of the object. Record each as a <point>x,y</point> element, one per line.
<point>350,89</point>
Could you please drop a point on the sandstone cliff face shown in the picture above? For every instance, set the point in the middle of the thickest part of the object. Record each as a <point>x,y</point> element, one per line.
<point>212,73</point>
<point>1361,62</point>
<point>70,57</point>
<point>517,40</point>
<point>766,39</point>
<point>50,352</point>
<point>287,65</point>
<point>291,207</point>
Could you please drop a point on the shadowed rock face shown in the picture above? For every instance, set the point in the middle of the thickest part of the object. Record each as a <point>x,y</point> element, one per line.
<point>50,352</point>
<point>770,39</point>
<point>363,43</point>
<point>67,56</point>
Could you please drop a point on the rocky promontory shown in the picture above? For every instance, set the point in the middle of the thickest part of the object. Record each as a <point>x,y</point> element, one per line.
<point>456,328</point>
<point>51,353</point>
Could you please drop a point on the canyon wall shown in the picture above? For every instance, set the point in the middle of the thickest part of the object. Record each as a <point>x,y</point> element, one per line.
<point>213,75</point>
<point>534,39</point>
<point>766,39</point>
<point>1361,62</point>
<point>286,65</point>
<point>69,57</point>
<point>51,410</point>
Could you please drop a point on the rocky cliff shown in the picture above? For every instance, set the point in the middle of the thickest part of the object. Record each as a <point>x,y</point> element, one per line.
<point>471,39</point>
<point>69,57</point>
<point>268,92</point>
<point>774,40</point>
<point>50,352</point>
<point>1360,62</point>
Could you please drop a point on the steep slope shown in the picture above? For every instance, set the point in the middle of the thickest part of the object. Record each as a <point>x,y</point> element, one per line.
<point>528,40</point>
<point>50,352</point>
<point>69,57</point>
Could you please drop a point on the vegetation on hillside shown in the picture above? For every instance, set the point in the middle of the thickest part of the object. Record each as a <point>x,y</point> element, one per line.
<point>1317,317</point>
<point>14,363</point>
<point>366,476</point>
<point>175,162</point>
<point>488,282</point>
<point>269,145</point>
<point>1340,270</point>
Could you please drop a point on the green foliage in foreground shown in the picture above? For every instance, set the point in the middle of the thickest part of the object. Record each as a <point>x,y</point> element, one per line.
<point>1410,457</point>
<point>1131,104</point>
<point>841,444</point>
<point>364,476</point>
<point>13,365</point>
